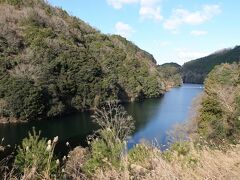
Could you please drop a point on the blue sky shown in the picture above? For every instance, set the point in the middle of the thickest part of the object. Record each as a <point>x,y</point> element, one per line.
<point>171,30</point>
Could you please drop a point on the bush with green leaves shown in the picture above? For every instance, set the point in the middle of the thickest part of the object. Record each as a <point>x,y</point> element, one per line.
<point>139,154</point>
<point>183,152</point>
<point>105,152</point>
<point>35,157</point>
<point>107,149</point>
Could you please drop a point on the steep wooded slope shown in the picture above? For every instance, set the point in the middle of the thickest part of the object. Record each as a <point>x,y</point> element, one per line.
<point>52,63</point>
<point>196,71</point>
<point>219,119</point>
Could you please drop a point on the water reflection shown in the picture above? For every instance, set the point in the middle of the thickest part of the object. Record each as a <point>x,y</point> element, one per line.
<point>153,118</point>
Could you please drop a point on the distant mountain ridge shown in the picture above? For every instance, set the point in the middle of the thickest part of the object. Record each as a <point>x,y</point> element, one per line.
<point>195,71</point>
<point>171,64</point>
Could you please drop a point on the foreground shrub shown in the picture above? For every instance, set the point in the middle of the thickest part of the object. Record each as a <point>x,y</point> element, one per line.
<point>75,162</point>
<point>139,154</point>
<point>114,117</point>
<point>107,149</point>
<point>35,157</point>
<point>105,152</point>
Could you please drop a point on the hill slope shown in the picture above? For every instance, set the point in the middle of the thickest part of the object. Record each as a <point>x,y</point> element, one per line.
<point>219,118</point>
<point>52,63</point>
<point>196,71</point>
<point>172,73</point>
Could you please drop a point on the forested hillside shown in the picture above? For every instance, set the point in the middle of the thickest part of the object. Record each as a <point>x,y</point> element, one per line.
<point>52,63</point>
<point>196,71</point>
<point>172,72</point>
<point>220,112</point>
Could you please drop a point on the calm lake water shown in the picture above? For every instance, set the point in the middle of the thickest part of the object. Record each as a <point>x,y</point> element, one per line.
<point>153,119</point>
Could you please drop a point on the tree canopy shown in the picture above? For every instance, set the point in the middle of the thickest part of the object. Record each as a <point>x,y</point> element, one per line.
<point>52,63</point>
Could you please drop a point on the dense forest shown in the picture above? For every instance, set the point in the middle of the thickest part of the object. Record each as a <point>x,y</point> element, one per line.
<point>195,71</point>
<point>172,72</point>
<point>219,118</point>
<point>52,63</point>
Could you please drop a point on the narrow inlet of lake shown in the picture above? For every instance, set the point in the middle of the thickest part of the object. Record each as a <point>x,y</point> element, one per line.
<point>153,119</point>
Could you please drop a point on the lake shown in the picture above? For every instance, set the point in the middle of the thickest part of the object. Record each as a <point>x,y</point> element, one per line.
<point>153,119</point>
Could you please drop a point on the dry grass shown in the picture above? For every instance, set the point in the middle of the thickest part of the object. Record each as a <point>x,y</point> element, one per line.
<point>210,164</point>
<point>207,164</point>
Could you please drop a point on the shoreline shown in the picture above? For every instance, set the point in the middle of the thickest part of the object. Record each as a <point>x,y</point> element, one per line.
<point>9,120</point>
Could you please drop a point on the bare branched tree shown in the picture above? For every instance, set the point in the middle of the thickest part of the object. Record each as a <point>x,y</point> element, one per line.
<point>114,117</point>
<point>75,162</point>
